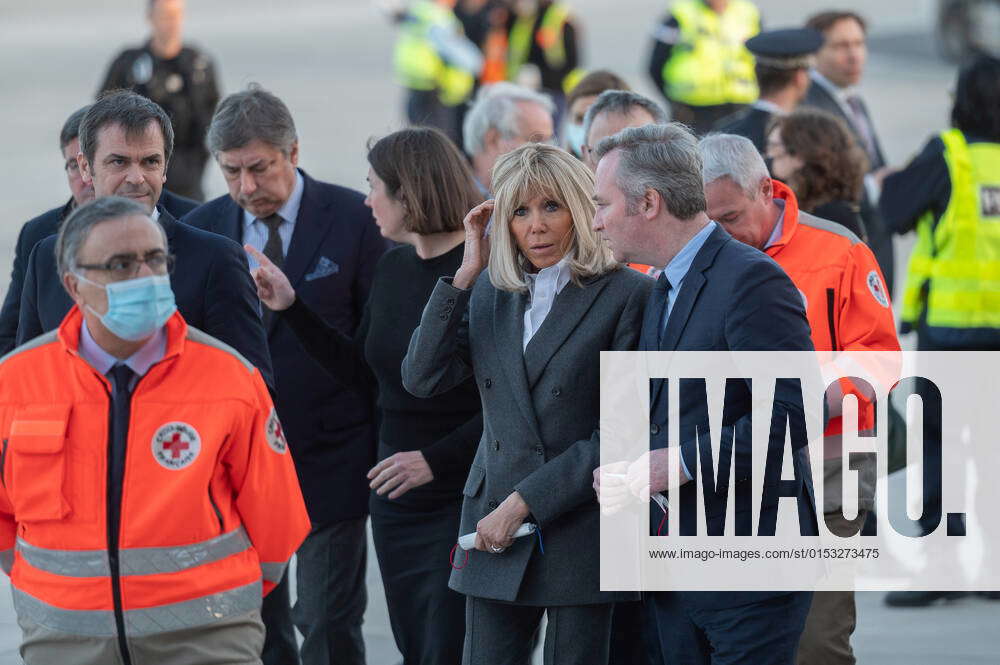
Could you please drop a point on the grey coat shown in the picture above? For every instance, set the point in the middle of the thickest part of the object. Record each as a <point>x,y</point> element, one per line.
<point>541,408</point>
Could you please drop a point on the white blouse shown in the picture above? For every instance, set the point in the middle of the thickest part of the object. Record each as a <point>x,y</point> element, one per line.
<point>543,287</point>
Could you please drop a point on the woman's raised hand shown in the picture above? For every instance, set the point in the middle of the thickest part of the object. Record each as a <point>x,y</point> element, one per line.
<point>477,245</point>
<point>273,287</point>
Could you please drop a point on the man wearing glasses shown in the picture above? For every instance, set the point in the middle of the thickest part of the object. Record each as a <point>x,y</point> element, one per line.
<point>125,145</point>
<point>47,224</point>
<point>143,465</point>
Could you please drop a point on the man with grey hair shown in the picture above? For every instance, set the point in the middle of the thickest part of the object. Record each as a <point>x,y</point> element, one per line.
<point>714,294</point>
<point>165,458</point>
<point>126,142</point>
<point>324,239</point>
<point>848,310</point>
<point>504,116</point>
<point>613,111</point>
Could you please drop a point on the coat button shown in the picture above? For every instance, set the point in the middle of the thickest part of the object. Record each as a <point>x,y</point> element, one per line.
<point>654,429</point>
<point>539,450</point>
<point>556,392</point>
<point>488,383</point>
<point>496,444</point>
<point>493,505</point>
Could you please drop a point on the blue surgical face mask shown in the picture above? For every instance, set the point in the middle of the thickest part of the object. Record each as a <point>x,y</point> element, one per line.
<point>136,307</point>
<point>574,138</point>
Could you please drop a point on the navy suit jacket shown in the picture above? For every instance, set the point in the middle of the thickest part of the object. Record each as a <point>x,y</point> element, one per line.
<point>211,283</point>
<point>34,231</point>
<point>330,263</point>
<point>733,298</point>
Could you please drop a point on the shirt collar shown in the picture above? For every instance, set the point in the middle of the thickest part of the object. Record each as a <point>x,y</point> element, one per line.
<point>681,263</point>
<point>778,225</point>
<point>290,211</point>
<point>139,362</point>
<point>155,215</point>
<point>769,107</point>
<point>558,274</point>
<point>840,94</point>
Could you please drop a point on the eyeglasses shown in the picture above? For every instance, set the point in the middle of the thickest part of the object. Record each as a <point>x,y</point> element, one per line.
<point>126,267</point>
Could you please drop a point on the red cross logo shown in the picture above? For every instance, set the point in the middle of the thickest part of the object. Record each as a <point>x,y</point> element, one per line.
<point>176,445</point>
<point>275,434</point>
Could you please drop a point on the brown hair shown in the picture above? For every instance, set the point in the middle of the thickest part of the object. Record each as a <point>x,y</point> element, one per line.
<point>595,83</point>
<point>423,170</point>
<point>833,165</point>
<point>823,21</point>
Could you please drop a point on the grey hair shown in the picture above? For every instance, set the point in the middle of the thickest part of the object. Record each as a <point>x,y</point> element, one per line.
<point>71,128</point>
<point>74,231</point>
<point>495,107</point>
<point>663,158</point>
<point>734,157</point>
<point>622,102</point>
<point>253,114</point>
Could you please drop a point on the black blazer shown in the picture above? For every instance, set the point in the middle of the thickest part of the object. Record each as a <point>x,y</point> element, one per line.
<point>733,298</point>
<point>331,264</point>
<point>36,230</point>
<point>211,282</point>
<point>750,122</point>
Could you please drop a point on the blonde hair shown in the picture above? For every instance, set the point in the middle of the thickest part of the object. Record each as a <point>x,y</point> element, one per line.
<point>537,169</point>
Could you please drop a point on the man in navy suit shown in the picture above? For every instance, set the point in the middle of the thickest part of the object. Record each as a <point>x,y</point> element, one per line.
<point>326,242</point>
<point>47,224</point>
<point>715,294</point>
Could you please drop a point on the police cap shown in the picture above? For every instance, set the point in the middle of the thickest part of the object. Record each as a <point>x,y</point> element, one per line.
<point>789,48</point>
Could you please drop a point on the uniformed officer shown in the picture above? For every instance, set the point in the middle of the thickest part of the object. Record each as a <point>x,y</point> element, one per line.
<point>783,61</point>
<point>179,78</point>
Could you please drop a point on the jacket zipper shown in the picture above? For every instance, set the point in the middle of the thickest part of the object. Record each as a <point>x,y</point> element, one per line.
<point>218,513</point>
<point>3,464</point>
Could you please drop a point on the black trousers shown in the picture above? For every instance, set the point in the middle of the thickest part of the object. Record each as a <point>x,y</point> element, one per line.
<point>412,545</point>
<point>280,647</point>
<point>499,633</point>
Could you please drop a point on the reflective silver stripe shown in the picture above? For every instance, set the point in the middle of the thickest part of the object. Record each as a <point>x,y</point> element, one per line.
<point>202,337</point>
<point>826,225</point>
<point>273,571</point>
<point>153,560</point>
<point>41,340</point>
<point>146,621</point>
<point>7,560</point>
<point>136,560</point>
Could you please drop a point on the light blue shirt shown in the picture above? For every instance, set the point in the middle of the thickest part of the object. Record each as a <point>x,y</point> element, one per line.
<point>139,362</point>
<point>255,231</point>
<point>778,225</point>
<point>678,267</point>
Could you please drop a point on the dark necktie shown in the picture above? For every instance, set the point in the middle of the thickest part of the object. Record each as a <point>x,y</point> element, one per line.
<point>121,399</point>
<point>663,291</point>
<point>860,121</point>
<point>273,249</point>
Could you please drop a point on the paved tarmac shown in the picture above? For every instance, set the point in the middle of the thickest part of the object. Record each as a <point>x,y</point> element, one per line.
<point>330,60</point>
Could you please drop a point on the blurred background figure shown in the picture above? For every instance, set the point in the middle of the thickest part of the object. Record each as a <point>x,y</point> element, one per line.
<point>579,99</point>
<point>840,65</point>
<point>544,35</point>
<point>504,117</point>
<point>181,79</point>
<point>613,111</point>
<point>783,59</point>
<point>436,63</point>
<point>813,152</point>
<point>700,61</point>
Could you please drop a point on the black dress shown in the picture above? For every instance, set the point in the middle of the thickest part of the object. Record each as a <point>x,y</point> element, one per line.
<point>413,534</point>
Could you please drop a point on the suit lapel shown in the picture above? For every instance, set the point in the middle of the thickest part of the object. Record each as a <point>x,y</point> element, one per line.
<point>231,222</point>
<point>311,228</point>
<point>568,309</point>
<point>508,330</point>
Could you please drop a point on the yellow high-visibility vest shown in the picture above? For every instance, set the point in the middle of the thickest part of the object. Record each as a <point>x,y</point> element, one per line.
<point>418,64</point>
<point>954,273</point>
<point>710,65</point>
<point>550,38</point>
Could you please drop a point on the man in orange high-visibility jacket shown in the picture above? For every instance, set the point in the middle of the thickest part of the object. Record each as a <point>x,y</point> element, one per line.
<point>848,309</point>
<point>148,499</point>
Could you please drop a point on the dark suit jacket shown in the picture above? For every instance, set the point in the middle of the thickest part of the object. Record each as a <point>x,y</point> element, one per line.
<point>879,235</point>
<point>734,298</point>
<point>750,122</point>
<point>37,229</point>
<point>330,263</point>
<point>211,283</point>
<point>541,408</point>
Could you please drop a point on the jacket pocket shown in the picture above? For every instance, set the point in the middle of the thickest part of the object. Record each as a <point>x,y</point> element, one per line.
<point>475,480</point>
<point>37,458</point>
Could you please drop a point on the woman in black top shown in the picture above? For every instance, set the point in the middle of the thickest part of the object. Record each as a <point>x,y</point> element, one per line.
<point>814,153</point>
<point>421,188</point>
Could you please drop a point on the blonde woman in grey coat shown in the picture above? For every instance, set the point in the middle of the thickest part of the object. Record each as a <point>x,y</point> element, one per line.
<point>527,314</point>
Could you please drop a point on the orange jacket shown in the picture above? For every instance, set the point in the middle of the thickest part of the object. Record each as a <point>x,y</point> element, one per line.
<point>210,503</point>
<point>846,301</point>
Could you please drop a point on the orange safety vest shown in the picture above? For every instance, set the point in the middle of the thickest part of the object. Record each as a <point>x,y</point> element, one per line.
<point>211,509</point>
<point>841,285</point>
